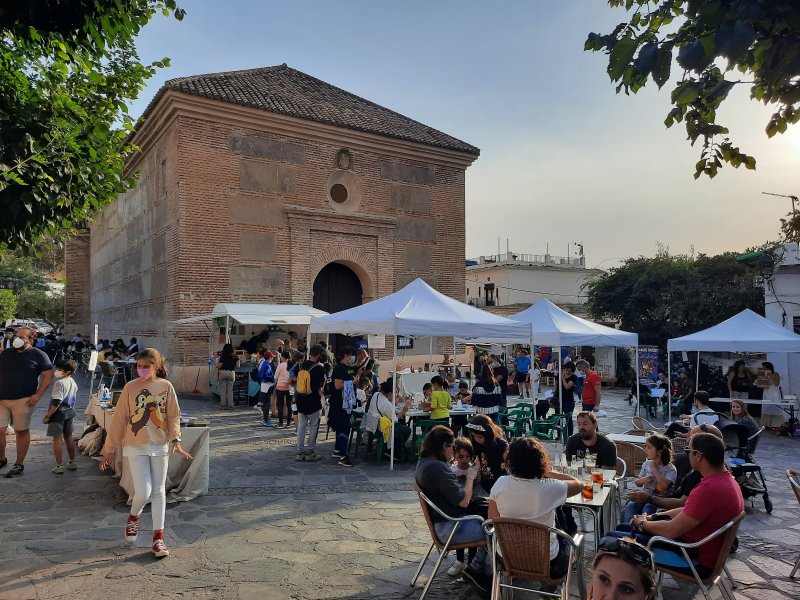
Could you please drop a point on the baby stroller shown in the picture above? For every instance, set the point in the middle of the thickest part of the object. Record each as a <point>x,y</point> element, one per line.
<point>743,466</point>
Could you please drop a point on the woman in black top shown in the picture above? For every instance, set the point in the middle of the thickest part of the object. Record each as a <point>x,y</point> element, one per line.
<point>490,448</point>
<point>227,363</point>
<point>739,380</point>
<point>569,383</point>
<point>442,487</point>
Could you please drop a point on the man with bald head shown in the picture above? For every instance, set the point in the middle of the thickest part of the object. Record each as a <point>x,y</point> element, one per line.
<point>25,374</point>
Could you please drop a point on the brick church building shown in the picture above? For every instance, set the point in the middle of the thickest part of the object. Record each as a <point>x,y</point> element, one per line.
<point>267,185</point>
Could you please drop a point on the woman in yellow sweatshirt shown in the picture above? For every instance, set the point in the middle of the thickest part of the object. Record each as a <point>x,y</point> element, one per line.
<point>145,424</point>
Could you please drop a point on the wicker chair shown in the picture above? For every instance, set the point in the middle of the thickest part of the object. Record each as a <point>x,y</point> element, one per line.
<point>642,423</point>
<point>715,578</point>
<point>794,481</point>
<point>525,549</point>
<point>445,547</point>
<point>634,457</point>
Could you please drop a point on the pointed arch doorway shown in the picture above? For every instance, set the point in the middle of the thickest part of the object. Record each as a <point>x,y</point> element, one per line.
<point>337,287</point>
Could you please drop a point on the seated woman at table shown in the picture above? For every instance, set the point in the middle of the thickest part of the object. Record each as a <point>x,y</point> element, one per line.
<point>490,449</point>
<point>657,476</point>
<point>486,396</point>
<point>381,404</point>
<point>442,487</point>
<point>532,491</point>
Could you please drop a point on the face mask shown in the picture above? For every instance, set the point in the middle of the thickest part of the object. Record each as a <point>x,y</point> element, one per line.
<point>58,374</point>
<point>143,373</point>
<point>352,360</point>
<point>18,343</point>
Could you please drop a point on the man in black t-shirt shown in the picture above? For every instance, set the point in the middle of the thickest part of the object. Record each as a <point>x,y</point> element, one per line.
<point>338,418</point>
<point>25,374</point>
<point>500,377</point>
<point>309,406</point>
<point>569,384</point>
<point>590,441</point>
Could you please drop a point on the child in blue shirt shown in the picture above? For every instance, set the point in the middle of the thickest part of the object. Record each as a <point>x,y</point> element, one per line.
<point>61,413</point>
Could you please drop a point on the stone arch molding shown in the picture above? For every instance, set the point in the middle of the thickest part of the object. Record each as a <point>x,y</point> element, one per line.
<point>361,263</point>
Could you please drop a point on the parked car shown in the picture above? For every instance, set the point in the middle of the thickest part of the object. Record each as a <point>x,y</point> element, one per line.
<point>17,323</point>
<point>44,327</point>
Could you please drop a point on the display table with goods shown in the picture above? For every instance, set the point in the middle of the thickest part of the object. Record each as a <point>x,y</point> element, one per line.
<point>186,479</point>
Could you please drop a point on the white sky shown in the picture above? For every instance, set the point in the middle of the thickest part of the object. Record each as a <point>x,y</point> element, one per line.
<point>563,158</point>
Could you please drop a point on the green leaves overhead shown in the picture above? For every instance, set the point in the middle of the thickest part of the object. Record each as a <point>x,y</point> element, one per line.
<point>718,44</point>
<point>67,72</point>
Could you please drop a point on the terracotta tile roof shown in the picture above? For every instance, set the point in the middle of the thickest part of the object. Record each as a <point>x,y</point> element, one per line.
<point>287,91</point>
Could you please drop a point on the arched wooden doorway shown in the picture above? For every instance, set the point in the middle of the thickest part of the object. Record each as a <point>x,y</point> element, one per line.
<point>336,288</point>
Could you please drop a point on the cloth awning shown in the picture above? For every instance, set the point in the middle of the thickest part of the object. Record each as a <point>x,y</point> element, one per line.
<point>419,310</point>
<point>744,332</point>
<point>259,314</point>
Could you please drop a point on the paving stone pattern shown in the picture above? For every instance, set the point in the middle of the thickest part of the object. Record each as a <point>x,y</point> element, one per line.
<point>274,528</point>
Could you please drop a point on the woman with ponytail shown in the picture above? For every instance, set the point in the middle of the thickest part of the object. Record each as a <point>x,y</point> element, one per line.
<point>146,428</point>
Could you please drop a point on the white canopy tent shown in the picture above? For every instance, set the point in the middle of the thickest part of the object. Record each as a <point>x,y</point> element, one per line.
<point>743,332</point>
<point>553,326</point>
<point>257,314</point>
<point>419,310</point>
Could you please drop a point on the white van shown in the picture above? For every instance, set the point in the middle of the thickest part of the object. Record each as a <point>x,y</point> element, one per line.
<point>16,323</point>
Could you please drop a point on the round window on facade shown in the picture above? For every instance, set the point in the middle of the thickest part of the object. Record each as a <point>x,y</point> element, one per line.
<point>338,193</point>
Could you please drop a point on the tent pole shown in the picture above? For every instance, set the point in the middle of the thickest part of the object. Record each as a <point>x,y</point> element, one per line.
<point>558,385</point>
<point>430,354</point>
<point>227,329</point>
<point>638,407</point>
<point>308,342</point>
<point>669,384</point>
<point>394,403</point>
<point>697,373</point>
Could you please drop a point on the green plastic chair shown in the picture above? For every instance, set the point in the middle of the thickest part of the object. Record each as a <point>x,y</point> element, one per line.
<point>526,405</point>
<point>424,425</point>
<point>519,422</point>
<point>545,429</point>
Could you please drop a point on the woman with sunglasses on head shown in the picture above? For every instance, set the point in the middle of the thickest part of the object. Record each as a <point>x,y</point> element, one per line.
<point>490,449</point>
<point>622,570</point>
<point>440,484</point>
<point>145,425</point>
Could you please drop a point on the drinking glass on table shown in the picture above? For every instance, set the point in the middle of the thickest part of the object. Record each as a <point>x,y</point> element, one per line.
<point>588,488</point>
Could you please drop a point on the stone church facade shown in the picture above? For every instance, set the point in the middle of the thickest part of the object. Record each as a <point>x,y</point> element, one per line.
<point>251,184</point>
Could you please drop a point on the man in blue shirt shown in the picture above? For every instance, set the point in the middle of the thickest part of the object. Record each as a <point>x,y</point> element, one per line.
<point>522,375</point>
<point>25,374</point>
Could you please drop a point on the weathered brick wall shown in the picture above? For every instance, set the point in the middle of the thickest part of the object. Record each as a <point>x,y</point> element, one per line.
<point>257,224</point>
<point>132,244</point>
<point>77,314</point>
<point>230,213</point>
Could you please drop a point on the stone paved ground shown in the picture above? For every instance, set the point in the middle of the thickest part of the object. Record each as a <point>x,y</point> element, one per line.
<point>273,528</point>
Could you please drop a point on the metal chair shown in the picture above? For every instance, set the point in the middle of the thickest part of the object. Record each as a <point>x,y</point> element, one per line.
<point>794,482</point>
<point>715,578</point>
<point>445,547</point>
<point>619,480</point>
<point>525,549</point>
<point>109,373</point>
<point>642,423</point>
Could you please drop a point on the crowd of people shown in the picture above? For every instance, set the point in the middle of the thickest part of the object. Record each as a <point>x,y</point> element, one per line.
<point>479,476</point>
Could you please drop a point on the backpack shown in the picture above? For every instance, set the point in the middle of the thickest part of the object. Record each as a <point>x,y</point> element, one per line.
<point>303,383</point>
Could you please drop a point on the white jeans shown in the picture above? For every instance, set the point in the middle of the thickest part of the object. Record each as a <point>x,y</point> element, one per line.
<point>149,483</point>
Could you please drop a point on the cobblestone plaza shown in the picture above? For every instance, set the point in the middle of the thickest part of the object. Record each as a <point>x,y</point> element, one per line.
<point>274,528</point>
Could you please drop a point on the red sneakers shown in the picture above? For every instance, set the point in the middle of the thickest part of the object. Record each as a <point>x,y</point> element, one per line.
<point>132,529</point>
<point>160,548</point>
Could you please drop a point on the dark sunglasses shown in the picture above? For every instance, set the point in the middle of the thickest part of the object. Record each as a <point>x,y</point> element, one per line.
<point>633,552</point>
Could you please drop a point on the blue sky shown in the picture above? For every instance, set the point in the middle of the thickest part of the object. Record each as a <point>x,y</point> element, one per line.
<point>563,158</point>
